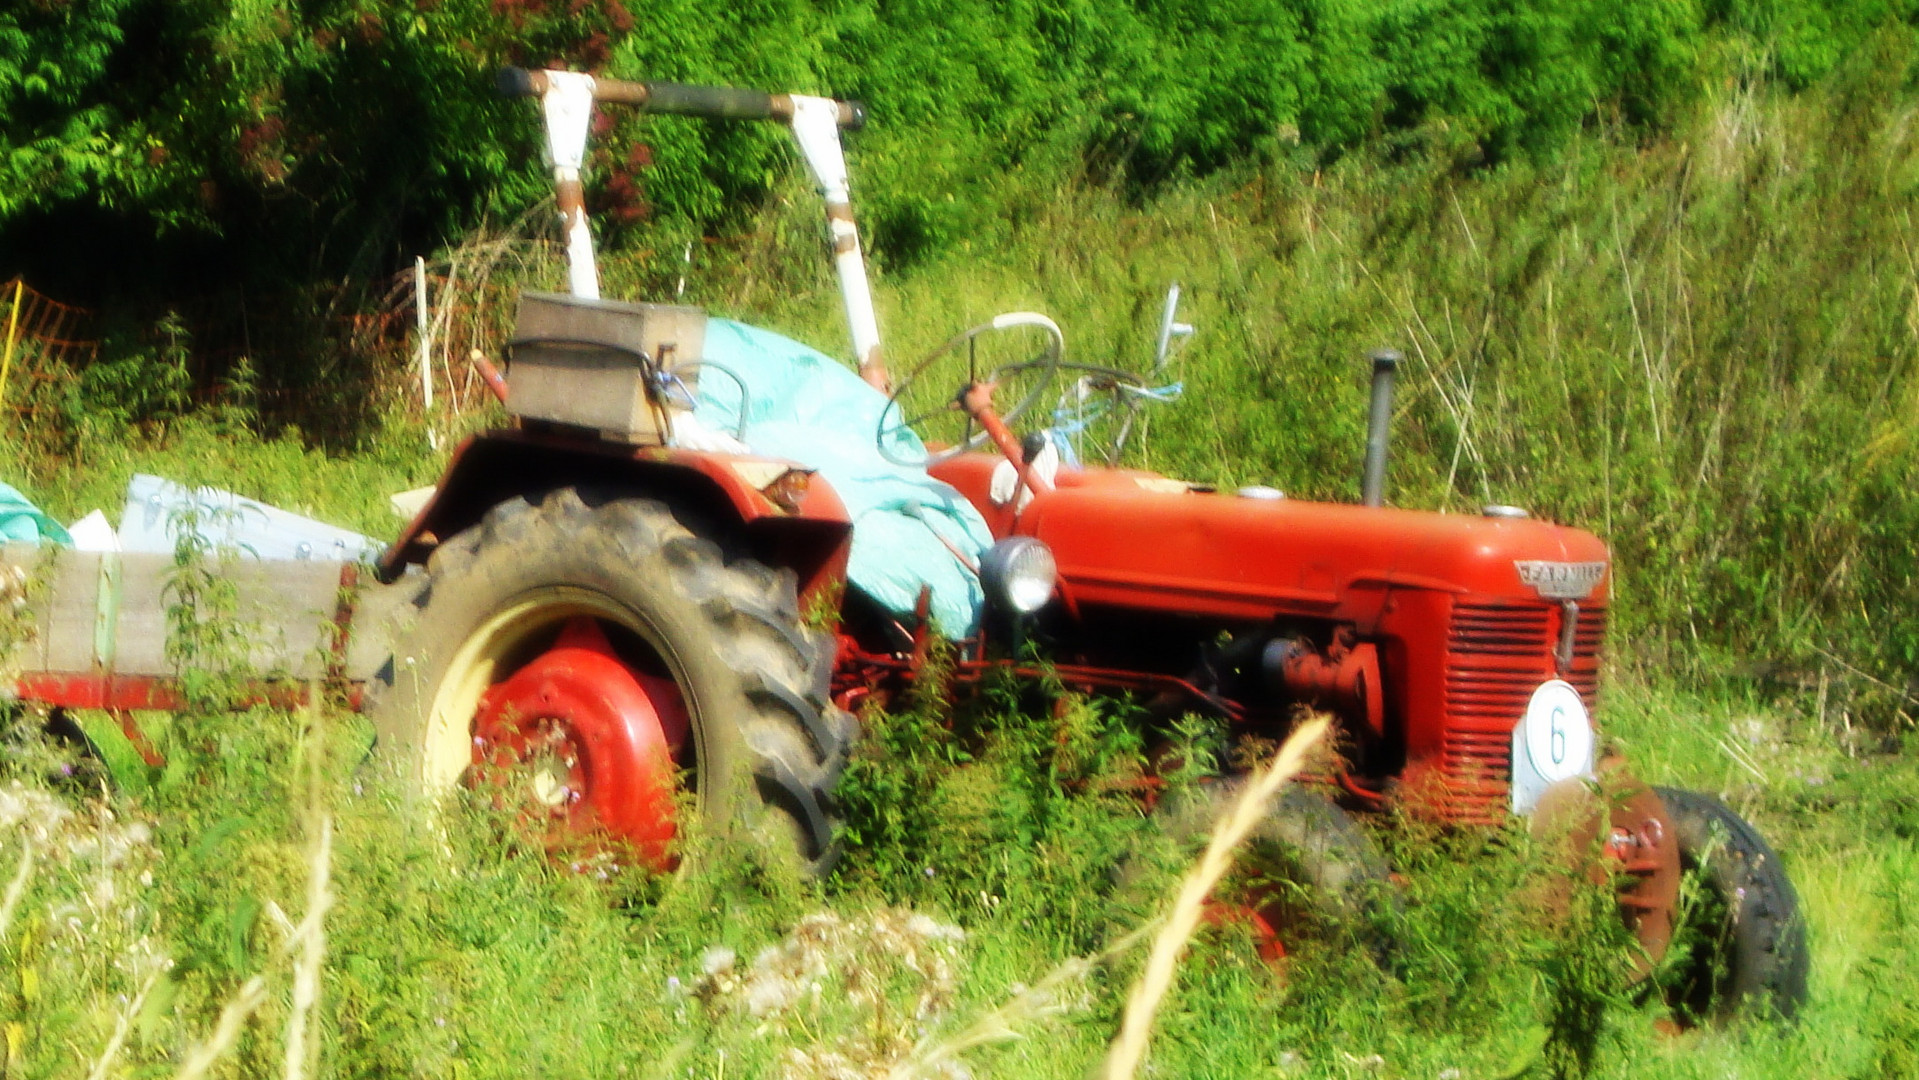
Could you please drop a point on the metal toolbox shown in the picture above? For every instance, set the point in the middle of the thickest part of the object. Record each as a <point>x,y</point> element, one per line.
<point>596,363</point>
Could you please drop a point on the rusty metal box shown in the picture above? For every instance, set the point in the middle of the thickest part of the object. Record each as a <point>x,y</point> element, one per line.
<point>592,363</point>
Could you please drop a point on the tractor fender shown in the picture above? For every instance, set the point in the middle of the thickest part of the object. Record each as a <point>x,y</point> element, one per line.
<point>772,510</point>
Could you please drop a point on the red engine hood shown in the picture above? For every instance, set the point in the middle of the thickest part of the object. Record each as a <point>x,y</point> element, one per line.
<point>1137,540</point>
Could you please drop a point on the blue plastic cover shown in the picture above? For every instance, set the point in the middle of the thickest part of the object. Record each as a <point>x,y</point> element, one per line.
<point>21,520</point>
<point>804,406</point>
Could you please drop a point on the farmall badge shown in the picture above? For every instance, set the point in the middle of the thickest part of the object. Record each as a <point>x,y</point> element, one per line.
<point>1560,580</point>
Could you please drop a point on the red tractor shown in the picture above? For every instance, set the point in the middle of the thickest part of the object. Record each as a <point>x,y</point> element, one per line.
<point>606,598</point>
<point>672,584</point>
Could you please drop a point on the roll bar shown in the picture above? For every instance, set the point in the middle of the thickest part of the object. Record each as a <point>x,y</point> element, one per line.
<point>680,99</point>
<point>567,99</point>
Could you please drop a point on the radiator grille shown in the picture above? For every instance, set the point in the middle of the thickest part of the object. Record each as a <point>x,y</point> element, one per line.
<point>1499,654</point>
<point>1500,631</point>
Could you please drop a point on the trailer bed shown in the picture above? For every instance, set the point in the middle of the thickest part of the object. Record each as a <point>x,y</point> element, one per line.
<point>85,629</point>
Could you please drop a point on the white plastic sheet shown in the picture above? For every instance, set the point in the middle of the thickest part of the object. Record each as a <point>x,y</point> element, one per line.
<point>159,512</point>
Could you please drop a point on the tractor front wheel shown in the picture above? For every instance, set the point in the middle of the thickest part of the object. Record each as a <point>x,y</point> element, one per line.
<point>585,659</point>
<point>1306,861</point>
<point>1741,941</point>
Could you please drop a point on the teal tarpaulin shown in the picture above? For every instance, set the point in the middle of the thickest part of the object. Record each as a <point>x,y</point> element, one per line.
<point>804,406</point>
<point>21,520</point>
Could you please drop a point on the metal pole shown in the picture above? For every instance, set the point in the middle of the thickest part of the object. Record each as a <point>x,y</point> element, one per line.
<point>1378,427</point>
<point>13,329</point>
<point>816,127</point>
<point>567,105</point>
<point>426,343</point>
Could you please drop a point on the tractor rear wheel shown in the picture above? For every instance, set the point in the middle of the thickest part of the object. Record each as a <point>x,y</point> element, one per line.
<point>1742,945</point>
<point>588,658</point>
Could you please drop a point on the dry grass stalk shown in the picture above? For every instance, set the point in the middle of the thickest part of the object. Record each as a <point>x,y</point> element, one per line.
<point>227,1031</point>
<point>311,936</point>
<point>1041,1000</point>
<point>1035,1002</point>
<point>1122,1060</point>
<point>16,888</point>
<point>124,1023</point>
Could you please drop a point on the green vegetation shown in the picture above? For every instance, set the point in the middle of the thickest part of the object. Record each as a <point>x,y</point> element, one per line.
<point>1701,347</point>
<point>451,953</point>
<point>270,150</point>
<point>1652,277</point>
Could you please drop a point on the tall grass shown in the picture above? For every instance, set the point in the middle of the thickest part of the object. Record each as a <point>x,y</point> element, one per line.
<point>146,923</point>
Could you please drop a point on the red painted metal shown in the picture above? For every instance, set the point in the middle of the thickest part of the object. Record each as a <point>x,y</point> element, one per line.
<point>1626,824</point>
<point>1461,639</point>
<point>1343,678</point>
<point>1144,546</point>
<point>1261,916</point>
<point>612,731</point>
<point>131,729</point>
<point>1645,851</point>
<point>495,382</point>
<point>978,399</point>
<point>803,527</point>
<point>106,691</point>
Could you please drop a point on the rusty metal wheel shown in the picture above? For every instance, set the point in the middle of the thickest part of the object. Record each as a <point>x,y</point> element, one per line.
<point>1617,830</point>
<point>1644,855</point>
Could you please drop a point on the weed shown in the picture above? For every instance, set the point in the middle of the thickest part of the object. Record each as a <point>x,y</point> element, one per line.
<point>207,644</point>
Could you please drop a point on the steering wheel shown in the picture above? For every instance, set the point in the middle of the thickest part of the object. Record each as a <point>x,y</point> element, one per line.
<point>1033,376</point>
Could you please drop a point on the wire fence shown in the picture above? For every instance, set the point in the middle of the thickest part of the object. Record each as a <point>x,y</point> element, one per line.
<point>377,343</point>
<point>45,343</point>
<point>44,340</point>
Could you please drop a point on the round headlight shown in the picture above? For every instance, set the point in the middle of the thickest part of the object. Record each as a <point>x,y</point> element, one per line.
<point>1018,574</point>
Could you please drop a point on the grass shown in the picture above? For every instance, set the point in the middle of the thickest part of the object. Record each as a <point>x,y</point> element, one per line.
<point>1702,347</point>
<point>448,953</point>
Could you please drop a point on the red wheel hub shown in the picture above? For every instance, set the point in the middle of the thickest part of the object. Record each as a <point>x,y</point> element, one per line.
<point>587,745</point>
<point>1260,911</point>
<point>1257,908</point>
<point>1646,853</point>
<point>1638,854</point>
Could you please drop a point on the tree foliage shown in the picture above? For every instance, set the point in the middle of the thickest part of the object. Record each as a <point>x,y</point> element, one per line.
<point>327,140</point>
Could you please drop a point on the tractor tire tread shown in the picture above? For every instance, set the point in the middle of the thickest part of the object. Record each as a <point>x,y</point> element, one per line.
<point>1770,959</point>
<point>796,741</point>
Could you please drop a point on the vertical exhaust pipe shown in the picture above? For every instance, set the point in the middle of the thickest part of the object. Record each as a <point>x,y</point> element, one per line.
<point>1373,483</point>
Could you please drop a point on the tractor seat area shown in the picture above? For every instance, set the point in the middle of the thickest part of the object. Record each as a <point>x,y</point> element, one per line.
<point>802,405</point>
